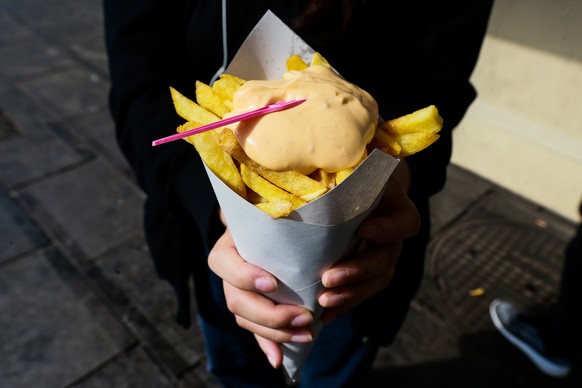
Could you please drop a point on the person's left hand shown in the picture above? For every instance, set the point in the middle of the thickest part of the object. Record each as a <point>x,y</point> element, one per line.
<point>356,278</point>
<point>243,284</point>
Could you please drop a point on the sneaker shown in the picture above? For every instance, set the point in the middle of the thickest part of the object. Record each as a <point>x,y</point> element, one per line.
<point>526,337</point>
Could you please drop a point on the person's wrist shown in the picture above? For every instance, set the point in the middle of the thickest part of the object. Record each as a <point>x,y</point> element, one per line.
<point>403,174</point>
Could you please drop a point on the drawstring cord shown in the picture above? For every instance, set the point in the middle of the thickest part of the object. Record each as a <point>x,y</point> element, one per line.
<point>224,45</point>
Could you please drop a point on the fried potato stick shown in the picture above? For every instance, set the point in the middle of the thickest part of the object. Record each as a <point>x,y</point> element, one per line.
<point>292,181</point>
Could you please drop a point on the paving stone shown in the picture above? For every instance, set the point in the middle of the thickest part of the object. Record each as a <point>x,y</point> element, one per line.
<point>421,340</point>
<point>462,189</point>
<point>7,127</point>
<point>90,209</point>
<point>33,149</point>
<point>98,132</point>
<point>19,234</point>
<point>29,120</point>
<point>131,369</point>
<point>4,85</point>
<point>505,205</point>
<point>69,92</point>
<point>147,304</point>
<point>22,58</point>
<point>25,159</point>
<point>52,327</point>
<point>469,369</point>
<point>199,377</point>
<point>427,353</point>
<point>11,30</point>
<point>91,50</point>
<point>62,20</point>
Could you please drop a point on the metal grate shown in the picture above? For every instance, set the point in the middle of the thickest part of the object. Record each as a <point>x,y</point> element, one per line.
<point>502,259</point>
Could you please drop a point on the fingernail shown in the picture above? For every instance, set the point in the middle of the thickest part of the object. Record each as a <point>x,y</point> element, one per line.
<point>265,284</point>
<point>334,278</point>
<point>301,320</point>
<point>272,360</point>
<point>301,337</point>
<point>331,300</point>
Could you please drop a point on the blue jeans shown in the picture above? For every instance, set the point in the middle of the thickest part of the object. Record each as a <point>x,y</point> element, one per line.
<point>339,357</point>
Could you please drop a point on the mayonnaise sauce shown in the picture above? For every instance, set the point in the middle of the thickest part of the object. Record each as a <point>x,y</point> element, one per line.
<point>329,131</point>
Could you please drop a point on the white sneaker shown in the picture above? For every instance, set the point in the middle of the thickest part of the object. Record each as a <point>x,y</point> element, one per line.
<point>526,337</point>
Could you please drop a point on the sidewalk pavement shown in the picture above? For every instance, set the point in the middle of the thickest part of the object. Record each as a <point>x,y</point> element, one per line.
<point>81,305</point>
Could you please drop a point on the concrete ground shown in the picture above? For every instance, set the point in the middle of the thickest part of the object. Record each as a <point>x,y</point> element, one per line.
<point>523,131</point>
<point>80,303</point>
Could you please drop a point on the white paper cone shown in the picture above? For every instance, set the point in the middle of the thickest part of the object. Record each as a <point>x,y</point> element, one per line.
<point>295,354</point>
<point>299,248</point>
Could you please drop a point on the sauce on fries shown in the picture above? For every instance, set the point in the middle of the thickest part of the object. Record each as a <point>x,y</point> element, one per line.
<point>277,188</point>
<point>329,131</point>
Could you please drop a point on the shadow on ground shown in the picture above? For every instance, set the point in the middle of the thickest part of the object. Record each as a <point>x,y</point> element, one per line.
<point>485,360</point>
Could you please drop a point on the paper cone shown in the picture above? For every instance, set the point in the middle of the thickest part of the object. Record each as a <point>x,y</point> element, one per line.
<point>299,248</point>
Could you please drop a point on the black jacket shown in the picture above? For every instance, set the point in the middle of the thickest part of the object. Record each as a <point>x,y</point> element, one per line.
<point>407,54</point>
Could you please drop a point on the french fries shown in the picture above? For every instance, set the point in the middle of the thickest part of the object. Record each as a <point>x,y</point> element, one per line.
<point>278,193</point>
<point>295,62</point>
<point>293,182</point>
<point>217,160</point>
<point>318,59</point>
<point>270,192</point>
<point>211,100</point>
<point>409,134</point>
<point>191,111</point>
<point>225,87</point>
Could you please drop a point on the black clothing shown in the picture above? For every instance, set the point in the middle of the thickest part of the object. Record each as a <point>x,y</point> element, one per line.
<point>565,321</point>
<point>430,50</point>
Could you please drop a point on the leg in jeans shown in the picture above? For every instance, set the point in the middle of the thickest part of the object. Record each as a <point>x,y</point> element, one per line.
<point>339,357</point>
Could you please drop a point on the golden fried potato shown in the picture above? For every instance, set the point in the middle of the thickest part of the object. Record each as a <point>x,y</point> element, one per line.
<point>225,87</point>
<point>295,62</point>
<point>386,142</point>
<point>218,161</point>
<point>191,111</point>
<point>326,178</point>
<point>276,209</point>
<point>210,100</point>
<point>234,78</point>
<point>318,59</point>
<point>255,198</point>
<point>341,175</point>
<point>267,190</point>
<point>409,134</point>
<point>412,143</point>
<point>278,193</point>
<point>295,183</point>
<point>425,120</point>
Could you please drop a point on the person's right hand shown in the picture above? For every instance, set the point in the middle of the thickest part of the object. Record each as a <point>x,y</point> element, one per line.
<point>271,323</point>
